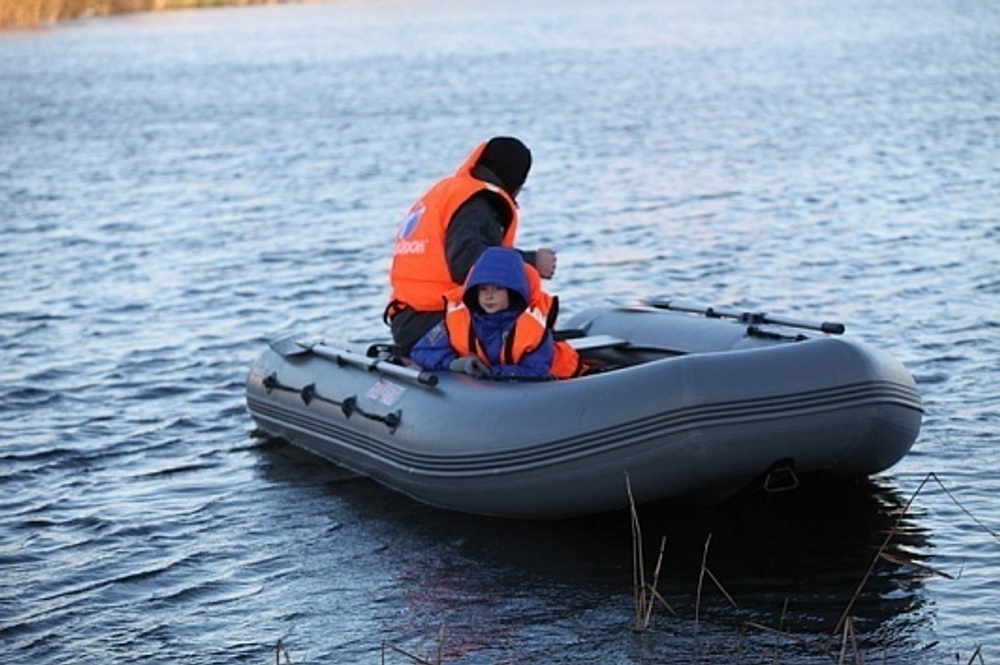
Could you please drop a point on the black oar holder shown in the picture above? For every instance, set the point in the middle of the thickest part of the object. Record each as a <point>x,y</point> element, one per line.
<point>349,406</point>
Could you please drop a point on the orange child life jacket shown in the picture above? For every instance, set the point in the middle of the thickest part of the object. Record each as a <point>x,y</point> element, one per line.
<point>419,275</point>
<point>527,335</point>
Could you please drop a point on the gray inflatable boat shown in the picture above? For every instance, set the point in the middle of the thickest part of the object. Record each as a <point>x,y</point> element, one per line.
<point>687,402</point>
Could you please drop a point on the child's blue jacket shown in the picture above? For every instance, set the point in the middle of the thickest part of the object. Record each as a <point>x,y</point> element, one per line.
<point>502,267</point>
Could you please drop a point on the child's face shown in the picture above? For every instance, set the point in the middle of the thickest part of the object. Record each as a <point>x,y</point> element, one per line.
<point>493,298</point>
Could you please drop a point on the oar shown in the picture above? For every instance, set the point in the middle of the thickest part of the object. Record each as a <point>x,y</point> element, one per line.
<point>753,318</point>
<point>291,346</point>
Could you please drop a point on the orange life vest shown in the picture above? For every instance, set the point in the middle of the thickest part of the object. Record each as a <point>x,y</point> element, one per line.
<point>527,335</point>
<point>419,273</point>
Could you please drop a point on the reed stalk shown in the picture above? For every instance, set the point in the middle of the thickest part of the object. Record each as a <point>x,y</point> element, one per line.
<point>706,572</point>
<point>638,567</point>
<point>279,649</point>
<point>781,627</point>
<point>701,581</point>
<point>645,593</point>
<point>440,653</point>
<point>404,652</point>
<point>849,637</point>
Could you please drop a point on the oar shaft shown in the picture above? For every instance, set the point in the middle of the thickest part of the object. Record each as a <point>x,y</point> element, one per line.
<point>828,327</point>
<point>373,364</point>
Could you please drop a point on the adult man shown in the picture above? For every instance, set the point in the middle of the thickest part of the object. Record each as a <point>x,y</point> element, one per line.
<point>448,229</point>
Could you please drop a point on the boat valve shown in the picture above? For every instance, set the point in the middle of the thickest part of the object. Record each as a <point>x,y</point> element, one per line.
<point>781,478</point>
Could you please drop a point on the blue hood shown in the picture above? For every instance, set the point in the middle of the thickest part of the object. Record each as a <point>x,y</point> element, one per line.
<point>502,267</point>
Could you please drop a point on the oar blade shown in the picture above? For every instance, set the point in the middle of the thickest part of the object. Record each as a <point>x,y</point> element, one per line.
<point>291,345</point>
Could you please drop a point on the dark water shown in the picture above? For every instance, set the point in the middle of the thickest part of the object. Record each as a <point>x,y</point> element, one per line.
<point>176,189</point>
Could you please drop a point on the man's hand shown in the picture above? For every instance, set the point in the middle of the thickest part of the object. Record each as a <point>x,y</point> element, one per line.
<point>545,262</point>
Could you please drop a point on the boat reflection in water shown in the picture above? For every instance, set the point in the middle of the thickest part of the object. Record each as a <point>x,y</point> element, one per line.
<point>812,547</point>
<point>792,560</point>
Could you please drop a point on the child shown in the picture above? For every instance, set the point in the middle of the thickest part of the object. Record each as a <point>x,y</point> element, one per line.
<point>499,327</point>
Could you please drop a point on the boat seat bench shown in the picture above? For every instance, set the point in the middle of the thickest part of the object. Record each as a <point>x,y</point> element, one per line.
<point>590,342</point>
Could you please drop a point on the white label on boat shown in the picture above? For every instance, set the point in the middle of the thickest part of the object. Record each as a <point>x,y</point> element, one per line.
<point>256,377</point>
<point>386,392</point>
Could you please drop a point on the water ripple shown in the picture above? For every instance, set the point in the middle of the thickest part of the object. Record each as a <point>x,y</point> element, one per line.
<point>165,214</point>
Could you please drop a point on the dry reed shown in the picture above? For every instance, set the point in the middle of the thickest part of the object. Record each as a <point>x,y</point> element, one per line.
<point>645,592</point>
<point>415,658</point>
<point>279,649</point>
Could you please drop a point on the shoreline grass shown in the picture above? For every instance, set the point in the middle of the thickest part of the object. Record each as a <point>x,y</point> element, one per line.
<point>36,13</point>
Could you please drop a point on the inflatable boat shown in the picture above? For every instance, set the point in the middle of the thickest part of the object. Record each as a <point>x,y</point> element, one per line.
<point>681,401</point>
